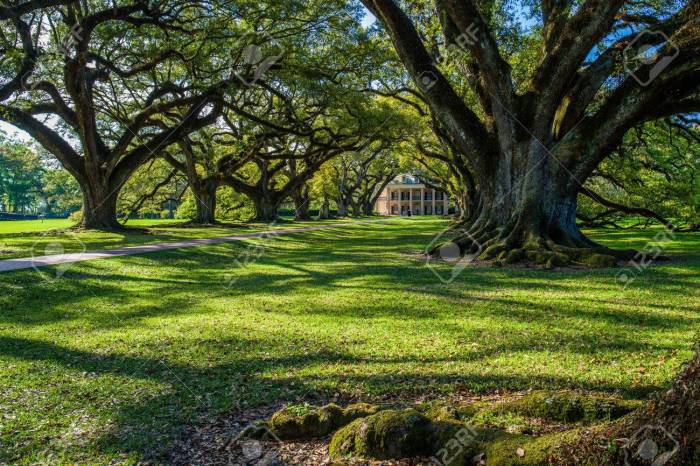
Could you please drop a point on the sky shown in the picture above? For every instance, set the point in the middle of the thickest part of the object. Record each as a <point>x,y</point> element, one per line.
<point>14,132</point>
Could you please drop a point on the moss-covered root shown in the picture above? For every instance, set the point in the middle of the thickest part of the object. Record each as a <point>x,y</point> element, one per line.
<point>569,406</point>
<point>394,434</point>
<point>524,450</point>
<point>386,435</point>
<point>299,422</point>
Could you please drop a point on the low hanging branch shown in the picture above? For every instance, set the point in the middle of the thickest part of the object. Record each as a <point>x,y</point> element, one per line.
<point>644,212</point>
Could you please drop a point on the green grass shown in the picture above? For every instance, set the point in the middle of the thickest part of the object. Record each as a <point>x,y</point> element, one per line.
<point>30,226</point>
<point>117,358</point>
<point>27,238</point>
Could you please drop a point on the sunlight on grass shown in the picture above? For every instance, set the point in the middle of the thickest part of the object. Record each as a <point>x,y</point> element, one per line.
<point>118,357</point>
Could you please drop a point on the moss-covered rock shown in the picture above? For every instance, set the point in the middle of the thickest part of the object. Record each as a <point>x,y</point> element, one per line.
<point>439,411</point>
<point>356,411</point>
<point>569,406</point>
<point>302,421</point>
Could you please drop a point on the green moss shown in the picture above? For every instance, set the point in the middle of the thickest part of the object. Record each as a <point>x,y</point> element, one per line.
<point>492,251</point>
<point>505,420</point>
<point>524,450</point>
<point>539,256</point>
<point>394,434</point>
<point>558,260</point>
<point>440,411</point>
<point>568,406</point>
<point>516,255</point>
<point>599,260</point>
<point>386,435</point>
<point>299,410</point>
<point>356,411</point>
<point>293,422</point>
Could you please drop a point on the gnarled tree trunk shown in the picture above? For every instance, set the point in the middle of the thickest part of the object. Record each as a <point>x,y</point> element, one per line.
<point>100,205</point>
<point>266,207</point>
<point>343,207</point>
<point>530,215</point>
<point>205,202</point>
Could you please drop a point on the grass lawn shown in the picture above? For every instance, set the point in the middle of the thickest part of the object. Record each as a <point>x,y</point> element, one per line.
<point>114,360</point>
<point>27,238</point>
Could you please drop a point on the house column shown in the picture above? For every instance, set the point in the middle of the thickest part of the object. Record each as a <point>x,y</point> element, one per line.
<point>422,210</point>
<point>388,200</point>
<point>446,204</point>
<point>399,198</point>
<point>433,202</point>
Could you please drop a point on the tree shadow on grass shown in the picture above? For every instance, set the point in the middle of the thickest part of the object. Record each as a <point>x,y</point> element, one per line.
<point>147,425</point>
<point>164,284</point>
<point>289,266</point>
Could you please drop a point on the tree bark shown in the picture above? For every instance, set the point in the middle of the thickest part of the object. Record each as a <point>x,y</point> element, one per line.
<point>266,207</point>
<point>205,202</point>
<point>342,206</point>
<point>300,197</point>
<point>325,211</point>
<point>529,216</point>
<point>100,206</point>
<point>678,412</point>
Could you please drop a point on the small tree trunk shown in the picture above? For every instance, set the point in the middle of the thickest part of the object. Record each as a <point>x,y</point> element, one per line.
<point>342,206</point>
<point>325,212</point>
<point>300,197</point>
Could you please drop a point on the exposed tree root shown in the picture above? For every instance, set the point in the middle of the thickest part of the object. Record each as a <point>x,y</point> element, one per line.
<point>454,435</point>
<point>514,244</point>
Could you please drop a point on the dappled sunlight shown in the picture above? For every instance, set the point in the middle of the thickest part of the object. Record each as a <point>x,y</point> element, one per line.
<point>343,310</point>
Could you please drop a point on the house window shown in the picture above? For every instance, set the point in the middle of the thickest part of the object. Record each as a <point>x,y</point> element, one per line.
<point>428,210</point>
<point>394,210</point>
<point>439,196</point>
<point>393,195</point>
<point>438,210</point>
<point>428,196</point>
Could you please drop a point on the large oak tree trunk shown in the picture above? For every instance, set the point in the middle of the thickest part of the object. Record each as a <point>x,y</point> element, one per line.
<point>100,205</point>
<point>205,201</point>
<point>530,216</point>
<point>266,208</point>
<point>675,417</point>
